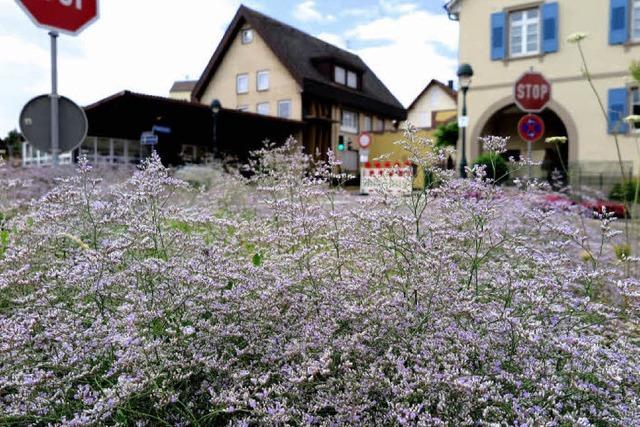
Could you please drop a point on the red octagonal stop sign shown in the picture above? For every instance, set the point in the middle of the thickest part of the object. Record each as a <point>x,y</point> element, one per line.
<point>532,92</point>
<point>69,16</point>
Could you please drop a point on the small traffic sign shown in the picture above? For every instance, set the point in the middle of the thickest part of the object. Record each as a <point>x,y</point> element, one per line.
<point>35,123</point>
<point>532,92</point>
<point>463,121</point>
<point>68,16</point>
<point>148,138</point>
<point>161,129</point>
<point>531,128</point>
<point>364,140</point>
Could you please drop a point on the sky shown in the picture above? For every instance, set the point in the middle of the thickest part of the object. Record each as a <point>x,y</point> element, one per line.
<point>145,45</point>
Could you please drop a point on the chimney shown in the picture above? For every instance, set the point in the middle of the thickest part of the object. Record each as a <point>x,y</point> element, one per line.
<point>450,84</point>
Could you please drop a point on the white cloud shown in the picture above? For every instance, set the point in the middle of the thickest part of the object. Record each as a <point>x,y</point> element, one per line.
<point>391,7</point>
<point>405,55</point>
<point>307,12</point>
<point>359,12</point>
<point>141,45</point>
<point>334,39</point>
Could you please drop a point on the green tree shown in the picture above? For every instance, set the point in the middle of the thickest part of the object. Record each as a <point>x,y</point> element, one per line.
<point>446,135</point>
<point>11,143</point>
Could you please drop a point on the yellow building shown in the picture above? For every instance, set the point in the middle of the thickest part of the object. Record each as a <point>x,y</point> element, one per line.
<point>181,90</point>
<point>435,101</point>
<point>502,39</point>
<point>267,67</point>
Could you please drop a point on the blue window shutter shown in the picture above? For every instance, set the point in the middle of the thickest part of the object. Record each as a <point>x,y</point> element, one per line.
<point>619,22</point>
<point>618,110</point>
<point>498,35</point>
<point>550,27</point>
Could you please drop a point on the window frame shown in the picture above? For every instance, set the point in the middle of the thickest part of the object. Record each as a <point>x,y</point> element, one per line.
<point>355,76</point>
<point>348,128</point>
<point>366,128</point>
<point>238,76</point>
<point>523,31</point>
<point>634,128</point>
<point>244,108</point>
<point>376,121</point>
<point>632,20</point>
<point>335,75</point>
<point>262,73</point>
<point>282,102</point>
<point>268,108</point>
<point>245,31</point>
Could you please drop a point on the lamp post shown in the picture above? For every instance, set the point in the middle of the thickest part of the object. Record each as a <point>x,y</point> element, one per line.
<point>215,108</point>
<point>465,72</point>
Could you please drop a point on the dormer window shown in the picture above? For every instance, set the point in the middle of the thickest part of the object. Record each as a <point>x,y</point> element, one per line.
<point>247,36</point>
<point>352,79</point>
<point>346,77</point>
<point>340,75</point>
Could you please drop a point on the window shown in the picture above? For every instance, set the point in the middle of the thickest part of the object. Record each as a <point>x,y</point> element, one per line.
<point>349,122</point>
<point>340,75</point>
<point>524,34</point>
<point>352,79</point>
<point>635,108</point>
<point>262,80</point>
<point>284,108</point>
<point>366,126</point>
<point>243,108</point>
<point>263,108</point>
<point>242,83</point>
<point>635,21</point>
<point>378,125</point>
<point>247,36</point>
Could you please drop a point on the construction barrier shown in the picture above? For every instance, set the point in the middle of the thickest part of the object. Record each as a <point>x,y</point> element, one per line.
<point>388,177</point>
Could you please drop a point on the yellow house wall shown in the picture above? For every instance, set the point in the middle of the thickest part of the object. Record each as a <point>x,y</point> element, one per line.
<point>180,96</point>
<point>432,100</point>
<point>251,58</point>
<point>492,85</point>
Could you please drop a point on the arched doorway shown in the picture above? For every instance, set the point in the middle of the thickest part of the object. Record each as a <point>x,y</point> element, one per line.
<point>504,122</point>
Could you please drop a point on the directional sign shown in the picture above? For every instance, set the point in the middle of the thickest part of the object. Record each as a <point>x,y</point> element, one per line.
<point>532,92</point>
<point>531,127</point>
<point>68,16</point>
<point>35,123</point>
<point>148,138</point>
<point>161,129</point>
<point>364,140</point>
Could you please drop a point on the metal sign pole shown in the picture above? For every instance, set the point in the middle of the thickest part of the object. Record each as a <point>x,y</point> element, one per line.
<point>529,156</point>
<point>55,117</point>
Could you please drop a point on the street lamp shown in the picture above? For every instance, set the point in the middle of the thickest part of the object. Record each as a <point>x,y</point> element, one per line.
<point>216,106</point>
<point>465,72</point>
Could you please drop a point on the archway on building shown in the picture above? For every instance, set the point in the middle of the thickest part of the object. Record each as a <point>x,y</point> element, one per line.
<point>552,157</point>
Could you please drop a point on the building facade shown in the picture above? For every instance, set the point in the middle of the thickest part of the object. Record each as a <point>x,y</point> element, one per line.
<point>502,39</point>
<point>181,90</point>
<point>436,103</point>
<point>267,67</point>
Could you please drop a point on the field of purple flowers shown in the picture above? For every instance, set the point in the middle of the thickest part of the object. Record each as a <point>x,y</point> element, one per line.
<point>264,301</point>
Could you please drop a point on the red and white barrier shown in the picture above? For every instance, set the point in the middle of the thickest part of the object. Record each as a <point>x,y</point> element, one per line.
<point>392,177</point>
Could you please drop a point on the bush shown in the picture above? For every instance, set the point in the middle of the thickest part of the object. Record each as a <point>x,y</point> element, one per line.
<point>131,305</point>
<point>626,192</point>
<point>446,135</point>
<point>497,168</point>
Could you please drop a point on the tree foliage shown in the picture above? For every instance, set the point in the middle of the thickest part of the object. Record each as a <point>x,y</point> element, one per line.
<point>446,135</point>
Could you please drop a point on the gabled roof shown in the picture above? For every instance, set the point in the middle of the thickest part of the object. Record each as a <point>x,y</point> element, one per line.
<point>298,52</point>
<point>449,91</point>
<point>183,86</point>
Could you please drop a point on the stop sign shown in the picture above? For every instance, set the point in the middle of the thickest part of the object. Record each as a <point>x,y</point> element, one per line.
<point>69,16</point>
<point>532,92</point>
